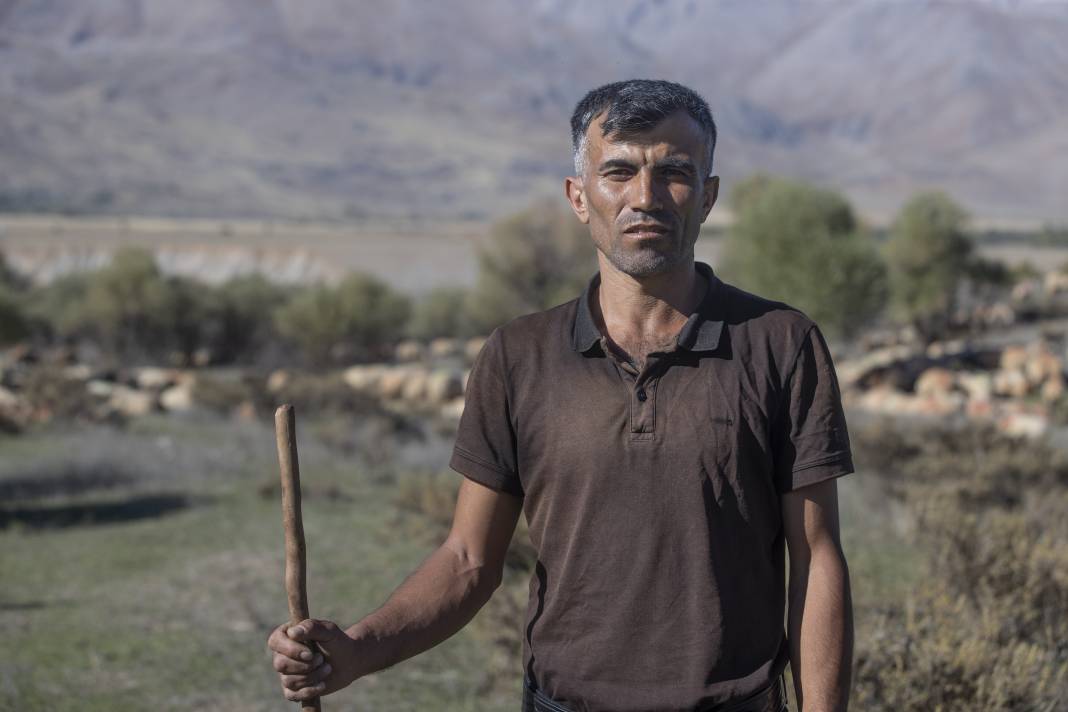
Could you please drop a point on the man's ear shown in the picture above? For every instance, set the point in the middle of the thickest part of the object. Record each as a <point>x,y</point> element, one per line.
<point>576,196</point>
<point>711,192</point>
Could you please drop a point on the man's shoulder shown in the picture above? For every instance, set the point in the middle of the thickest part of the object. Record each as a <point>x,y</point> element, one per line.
<point>531,333</point>
<point>762,315</point>
<point>762,327</point>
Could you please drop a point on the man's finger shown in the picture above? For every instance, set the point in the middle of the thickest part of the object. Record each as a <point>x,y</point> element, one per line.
<point>306,693</point>
<point>299,682</point>
<point>281,643</point>
<point>289,666</point>
<point>313,630</point>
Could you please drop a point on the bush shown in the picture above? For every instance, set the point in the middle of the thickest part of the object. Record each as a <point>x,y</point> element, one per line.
<point>442,312</point>
<point>534,260</point>
<point>131,308</point>
<point>14,324</point>
<point>240,322</point>
<point>985,626</point>
<point>929,256</point>
<point>58,308</point>
<point>359,319</point>
<point>802,245</point>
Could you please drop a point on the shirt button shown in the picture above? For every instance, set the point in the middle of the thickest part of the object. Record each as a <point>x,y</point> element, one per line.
<point>641,395</point>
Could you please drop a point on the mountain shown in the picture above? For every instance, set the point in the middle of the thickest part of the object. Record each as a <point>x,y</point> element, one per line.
<point>379,110</point>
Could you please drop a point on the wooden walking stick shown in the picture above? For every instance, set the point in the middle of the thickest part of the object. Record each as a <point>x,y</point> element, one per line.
<point>285,427</point>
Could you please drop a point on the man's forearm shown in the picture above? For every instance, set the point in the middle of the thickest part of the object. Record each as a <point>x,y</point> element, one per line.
<point>435,601</point>
<point>820,625</point>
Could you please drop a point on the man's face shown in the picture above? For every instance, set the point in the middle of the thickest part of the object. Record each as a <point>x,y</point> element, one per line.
<point>645,196</point>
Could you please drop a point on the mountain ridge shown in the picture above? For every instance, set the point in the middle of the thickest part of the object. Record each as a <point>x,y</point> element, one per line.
<point>328,109</point>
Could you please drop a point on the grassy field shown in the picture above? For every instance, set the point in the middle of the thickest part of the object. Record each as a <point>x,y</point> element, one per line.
<point>142,569</point>
<point>152,581</point>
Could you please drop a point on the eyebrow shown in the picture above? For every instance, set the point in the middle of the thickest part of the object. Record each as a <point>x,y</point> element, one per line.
<point>669,162</point>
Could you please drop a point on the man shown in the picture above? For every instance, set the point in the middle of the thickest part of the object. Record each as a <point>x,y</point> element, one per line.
<point>665,434</point>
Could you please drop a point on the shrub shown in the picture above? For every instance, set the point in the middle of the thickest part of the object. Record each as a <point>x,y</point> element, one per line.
<point>442,312</point>
<point>14,324</point>
<point>534,260</point>
<point>985,626</point>
<point>58,308</point>
<point>239,317</point>
<point>133,309</point>
<point>361,318</point>
<point>802,245</point>
<point>929,256</point>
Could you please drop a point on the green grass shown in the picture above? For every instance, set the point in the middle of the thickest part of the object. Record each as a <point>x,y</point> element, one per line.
<point>172,612</point>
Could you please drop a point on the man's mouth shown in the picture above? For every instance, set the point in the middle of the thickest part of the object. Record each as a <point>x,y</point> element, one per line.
<point>647,229</point>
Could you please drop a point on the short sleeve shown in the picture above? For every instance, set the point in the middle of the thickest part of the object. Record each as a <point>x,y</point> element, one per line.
<point>810,436</point>
<point>485,449</point>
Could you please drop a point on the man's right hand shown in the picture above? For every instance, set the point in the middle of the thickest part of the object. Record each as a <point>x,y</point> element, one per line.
<point>306,674</point>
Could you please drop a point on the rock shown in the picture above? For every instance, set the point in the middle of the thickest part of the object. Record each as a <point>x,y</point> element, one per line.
<point>363,378</point>
<point>1028,425</point>
<point>1013,358</point>
<point>409,350</point>
<point>941,349</point>
<point>1010,384</point>
<point>15,411</point>
<point>443,385</point>
<point>1000,314</point>
<point>203,357</point>
<point>856,372</point>
<point>976,408</point>
<point>1054,283</point>
<point>78,372</point>
<point>100,389</point>
<point>452,410</point>
<point>940,404</point>
<point>443,348</point>
<point>414,389</point>
<point>473,347</point>
<point>1053,389</point>
<point>1042,365</point>
<point>391,382</point>
<point>245,411</point>
<point>131,402</point>
<point>978,385</point>
<point>277,380</point>
<point>150,378</point>
<point>1023,291</point>
<point>935,382</point>
<point>178,399</point>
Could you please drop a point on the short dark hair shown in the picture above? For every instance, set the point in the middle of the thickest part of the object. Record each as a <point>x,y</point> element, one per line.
<point>638,105</point>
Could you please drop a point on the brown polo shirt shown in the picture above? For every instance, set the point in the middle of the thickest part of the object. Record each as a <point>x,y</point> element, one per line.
<point>653,497</point>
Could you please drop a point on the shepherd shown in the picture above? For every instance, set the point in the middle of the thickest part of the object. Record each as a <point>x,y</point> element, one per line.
<point>669,438</point>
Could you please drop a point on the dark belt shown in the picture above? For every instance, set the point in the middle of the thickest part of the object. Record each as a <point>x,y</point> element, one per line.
<point>771,699</point>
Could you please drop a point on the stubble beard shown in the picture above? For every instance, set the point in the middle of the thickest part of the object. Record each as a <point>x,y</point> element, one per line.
<point>647,261</point>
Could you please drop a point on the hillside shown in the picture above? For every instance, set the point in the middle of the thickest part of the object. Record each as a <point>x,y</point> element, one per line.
<point>338,110</point>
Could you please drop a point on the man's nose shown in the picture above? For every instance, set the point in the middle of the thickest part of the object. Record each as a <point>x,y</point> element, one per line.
<point>645,195</point>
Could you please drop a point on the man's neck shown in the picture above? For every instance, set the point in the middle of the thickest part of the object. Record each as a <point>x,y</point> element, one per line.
<point>643,315</point>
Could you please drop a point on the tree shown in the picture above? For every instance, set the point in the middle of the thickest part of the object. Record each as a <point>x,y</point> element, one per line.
<point>929,256</point>
<point>442,312</point>
<point>14,325</point>
<point>802,245</point>
<point>534,260</point>
<point>133,308</point>
<point>360,318</point>
<point>240,324</point>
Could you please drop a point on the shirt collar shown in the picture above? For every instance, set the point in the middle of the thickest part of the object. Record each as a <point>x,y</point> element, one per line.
<point>701,332</point>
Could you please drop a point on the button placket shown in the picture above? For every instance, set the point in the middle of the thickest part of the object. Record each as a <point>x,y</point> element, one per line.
<point>643,403</point>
